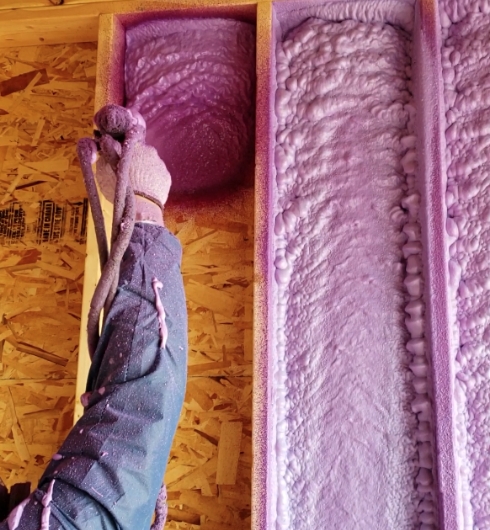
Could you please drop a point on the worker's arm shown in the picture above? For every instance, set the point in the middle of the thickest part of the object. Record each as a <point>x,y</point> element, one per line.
<point>108,472</point>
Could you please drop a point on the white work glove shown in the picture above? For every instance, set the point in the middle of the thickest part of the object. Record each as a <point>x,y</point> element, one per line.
<point>148,174</point>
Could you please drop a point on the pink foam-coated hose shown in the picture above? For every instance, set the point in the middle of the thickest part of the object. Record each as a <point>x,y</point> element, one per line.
<point>161,510</point>
<point>87,152</point>
<point>114,122</point>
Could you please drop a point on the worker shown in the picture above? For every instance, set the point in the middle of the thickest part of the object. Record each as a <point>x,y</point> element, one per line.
<point>109,470</point>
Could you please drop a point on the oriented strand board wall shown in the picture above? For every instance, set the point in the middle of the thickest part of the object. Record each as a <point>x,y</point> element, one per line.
<point>209,473</point>
<point>46,97</point>
<point>46,104</point>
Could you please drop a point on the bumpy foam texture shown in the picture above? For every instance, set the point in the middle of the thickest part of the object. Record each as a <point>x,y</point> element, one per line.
<point>353,436</point>
<point>194,83</point>
<point>466,73</point>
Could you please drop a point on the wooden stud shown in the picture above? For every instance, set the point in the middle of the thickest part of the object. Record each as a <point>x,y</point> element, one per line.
<point>229,452</point>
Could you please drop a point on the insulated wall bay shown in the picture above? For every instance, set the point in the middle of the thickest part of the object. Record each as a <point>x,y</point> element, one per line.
<point>352,390</point>
<point>193,80</point>
<point>466,67</point>
<point>205,120</point>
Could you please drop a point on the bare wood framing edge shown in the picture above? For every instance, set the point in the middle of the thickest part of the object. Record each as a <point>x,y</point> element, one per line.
<point>79,22</point>
<point>23,4</point>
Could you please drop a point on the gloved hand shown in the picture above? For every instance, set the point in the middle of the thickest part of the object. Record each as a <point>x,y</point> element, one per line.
<point>148,174</point>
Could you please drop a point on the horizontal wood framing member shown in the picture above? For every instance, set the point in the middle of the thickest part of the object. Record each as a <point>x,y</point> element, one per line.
<point>22,4</point>
<point>31,22</point>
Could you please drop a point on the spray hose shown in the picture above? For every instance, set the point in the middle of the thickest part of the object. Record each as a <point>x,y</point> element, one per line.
<point>113,129</point>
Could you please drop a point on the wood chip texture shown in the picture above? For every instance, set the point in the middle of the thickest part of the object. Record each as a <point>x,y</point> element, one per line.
<point>46,104</point>
<point>209,472</point>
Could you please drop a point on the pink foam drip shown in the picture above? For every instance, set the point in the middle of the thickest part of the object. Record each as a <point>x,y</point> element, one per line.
<point>157,285</point>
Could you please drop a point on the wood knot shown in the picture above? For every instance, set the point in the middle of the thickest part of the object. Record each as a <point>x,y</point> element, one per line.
<point>57,2</point>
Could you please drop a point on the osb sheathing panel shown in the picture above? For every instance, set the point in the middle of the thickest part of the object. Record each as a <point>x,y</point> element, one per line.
<point>209,472</point>
<point>46,105</point>
<point>46,97</point>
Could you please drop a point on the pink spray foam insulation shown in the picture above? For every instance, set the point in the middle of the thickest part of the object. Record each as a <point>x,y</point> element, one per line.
<point>351,358</point>
<point>157,285</point>
<point>193,80</point>
<point>16,514</point>
<point>352,400</point>
<point>466,75</point>
<point>46,502</point>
